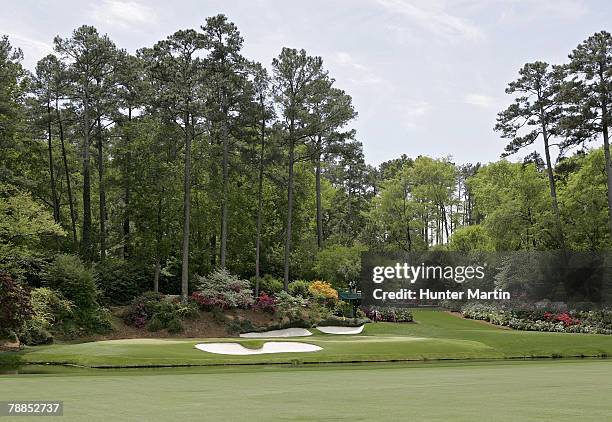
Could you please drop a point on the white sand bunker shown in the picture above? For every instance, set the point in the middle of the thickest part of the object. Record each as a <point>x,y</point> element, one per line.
<point>341,330</point>
<point>268,347</point>
<point>287,332</point>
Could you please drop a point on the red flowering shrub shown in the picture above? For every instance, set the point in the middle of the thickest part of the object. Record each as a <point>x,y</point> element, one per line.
<point>15,307</point>
<point>142,309</point>
<point>266,303</point>
<point>563,317</point>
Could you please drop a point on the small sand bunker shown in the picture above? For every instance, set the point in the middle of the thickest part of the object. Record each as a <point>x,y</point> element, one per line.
<point>268,347</point>
<point>341,330</point>
<point>287,332</point>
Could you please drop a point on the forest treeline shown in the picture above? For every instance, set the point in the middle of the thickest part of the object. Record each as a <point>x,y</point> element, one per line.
<point>187,156</point>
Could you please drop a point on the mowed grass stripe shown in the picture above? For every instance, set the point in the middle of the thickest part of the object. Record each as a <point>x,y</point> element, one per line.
<point>529,391</point>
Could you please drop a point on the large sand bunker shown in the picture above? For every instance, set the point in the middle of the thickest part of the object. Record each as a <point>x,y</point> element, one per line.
<point>287,332</point>
<point>341,330</point>
<point>268,347</point>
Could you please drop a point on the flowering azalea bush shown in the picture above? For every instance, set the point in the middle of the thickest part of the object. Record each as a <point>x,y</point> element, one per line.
<point>265,303</point>
<point>15,307</point>
<point>563,317</point>
<point>533,318</point>
<point>322,289</point>
<point>142,309</point>
<point>223,290</point>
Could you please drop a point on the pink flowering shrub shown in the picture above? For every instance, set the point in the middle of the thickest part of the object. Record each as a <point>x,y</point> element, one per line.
<point>223,290</point>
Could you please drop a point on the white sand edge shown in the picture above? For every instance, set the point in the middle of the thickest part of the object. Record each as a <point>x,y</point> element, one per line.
<point>286,332</point>
<point>268,347</point>
<point>341,330</point>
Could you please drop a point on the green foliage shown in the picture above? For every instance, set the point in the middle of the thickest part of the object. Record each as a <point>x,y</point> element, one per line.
<point>471,238</point>
<point>155,312</point>
<point>50,310</point>
<point>343,309</point>
<point>339,264</point>
<point>74,280</point>
<point>290,307</point>
<point>119,281</point>
<point>300,288</point>
<point>268,284</point>
<point>584,206</point>
<point>142,309</point>
<point>166,316</point>
<point>25,225</point>
<point>513,200</point>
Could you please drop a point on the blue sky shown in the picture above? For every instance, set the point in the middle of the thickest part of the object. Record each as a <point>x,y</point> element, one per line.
<point>427,77</point>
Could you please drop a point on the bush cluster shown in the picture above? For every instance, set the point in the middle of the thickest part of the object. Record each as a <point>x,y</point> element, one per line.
<point>119,281</point>
<point>222,290</point>
<point>266,303</point>
<point>388,314</point>
<point>554,318</point>
<point>15,307</point>
<point>322,289</point>
<point>76,282</point>
<point>267,284</point>
<point>50,311</point>
<point>152,310</point>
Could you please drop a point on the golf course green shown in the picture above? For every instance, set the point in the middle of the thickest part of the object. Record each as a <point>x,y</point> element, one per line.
<point>435,335</point>
<point>443,376</point>
<point>559,390</point>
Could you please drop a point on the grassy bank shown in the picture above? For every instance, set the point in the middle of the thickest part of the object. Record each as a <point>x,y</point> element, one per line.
<point>435,335</point>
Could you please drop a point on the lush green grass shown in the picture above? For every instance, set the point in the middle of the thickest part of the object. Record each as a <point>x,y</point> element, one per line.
<point>435,335</point>
<point>506,391</point>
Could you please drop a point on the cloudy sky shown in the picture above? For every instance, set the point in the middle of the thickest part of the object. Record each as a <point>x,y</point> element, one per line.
<point>426,76</point>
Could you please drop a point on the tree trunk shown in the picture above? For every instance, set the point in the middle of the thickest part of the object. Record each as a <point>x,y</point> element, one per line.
<point>158,240</point>
<point>156,274</point>
<point>102,193</point>
<point>406,218</point>
<point>127,191</point>
<point>186,211</point>
<point>67,171</point>
<point>318,194</point>
<point>56,206</point>
<point>553,188</point>
<point>608,165</point>
<point>289,210</point>
<point>224,199</point>
<point>445,223</point>
<point>260,197</point>
<point>86,246</point>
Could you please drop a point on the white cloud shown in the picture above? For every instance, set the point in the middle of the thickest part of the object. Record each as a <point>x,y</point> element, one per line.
<point>27,43</point>
<point>435,19</point>
<point>32,48</point>
<point>345,58</point>
<point>479,100</point>
<point>412,112</point>
<point>360,74</point>
<point>529,10</point>
<point>124,13</point>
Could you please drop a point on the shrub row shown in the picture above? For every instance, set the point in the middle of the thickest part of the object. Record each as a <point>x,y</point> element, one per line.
<point>554,318</point>
<point>388,314</point>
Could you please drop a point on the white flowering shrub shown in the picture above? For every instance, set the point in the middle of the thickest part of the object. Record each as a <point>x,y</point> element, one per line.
<point>221,289</point>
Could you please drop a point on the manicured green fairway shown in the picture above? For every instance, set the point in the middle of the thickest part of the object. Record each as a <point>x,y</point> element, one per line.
<point>435,335</point>
<point>560,390</point>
